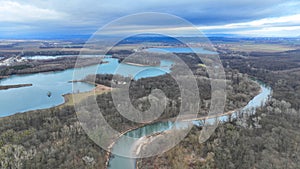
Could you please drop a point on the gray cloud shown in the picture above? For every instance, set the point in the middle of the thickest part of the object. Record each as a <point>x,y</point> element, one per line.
<point>85,17</point>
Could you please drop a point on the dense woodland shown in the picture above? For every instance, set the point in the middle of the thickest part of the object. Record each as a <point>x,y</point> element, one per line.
<point>268,139</point>
<point>53,138</point>
<point>280,70</point>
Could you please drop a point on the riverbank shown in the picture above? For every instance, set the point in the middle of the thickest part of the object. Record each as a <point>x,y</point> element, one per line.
<point>257,101</point>
<point>144,141</point>
<point>14,86</point>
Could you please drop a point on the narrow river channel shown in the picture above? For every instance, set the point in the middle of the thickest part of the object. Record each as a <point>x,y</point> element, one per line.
<point>123,144</point>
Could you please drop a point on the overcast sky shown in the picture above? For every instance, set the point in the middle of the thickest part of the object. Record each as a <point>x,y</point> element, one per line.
<point>75,18</point>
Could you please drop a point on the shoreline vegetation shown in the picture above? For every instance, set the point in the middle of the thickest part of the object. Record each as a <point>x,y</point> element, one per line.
<point>51,65</point>
<point>6,87</point>
<point>145,143</point>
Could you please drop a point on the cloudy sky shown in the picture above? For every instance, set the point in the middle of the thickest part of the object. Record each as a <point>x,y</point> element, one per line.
<point>77,18</point>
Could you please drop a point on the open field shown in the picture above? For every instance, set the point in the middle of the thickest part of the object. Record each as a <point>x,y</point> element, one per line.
<point>261,47</point>
<point>70,101</point>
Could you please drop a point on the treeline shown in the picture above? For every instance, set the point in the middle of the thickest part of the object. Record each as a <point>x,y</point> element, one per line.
<point>107,79</point>
<point>36,66</point>
<point>51,138</point>
<point>57,52</point>
<point>141,58</point>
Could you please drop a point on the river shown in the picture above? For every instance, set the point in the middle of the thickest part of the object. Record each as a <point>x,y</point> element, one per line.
<point>124,146</point>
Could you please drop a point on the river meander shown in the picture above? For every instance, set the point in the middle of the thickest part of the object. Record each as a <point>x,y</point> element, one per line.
<point>124,145</point>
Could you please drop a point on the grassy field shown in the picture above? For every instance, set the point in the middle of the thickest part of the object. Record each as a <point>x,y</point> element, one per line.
<point>70,101</point>
<point>261,47</point>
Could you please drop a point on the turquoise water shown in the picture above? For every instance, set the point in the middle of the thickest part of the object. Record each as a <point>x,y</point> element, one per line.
<point>256,102</point>
<point>123,145</point>
<point>35,97</point>
<point>181,50</point>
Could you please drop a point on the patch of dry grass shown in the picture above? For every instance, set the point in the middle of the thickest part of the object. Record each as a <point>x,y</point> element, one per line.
<point>99,89</point>
<point>261,47</point>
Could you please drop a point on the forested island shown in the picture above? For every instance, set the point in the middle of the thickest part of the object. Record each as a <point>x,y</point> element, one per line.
<point>5,87</point>
<point>58,64</point>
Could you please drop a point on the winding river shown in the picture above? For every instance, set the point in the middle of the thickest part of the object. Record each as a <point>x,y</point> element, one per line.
<point>123,144</point>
